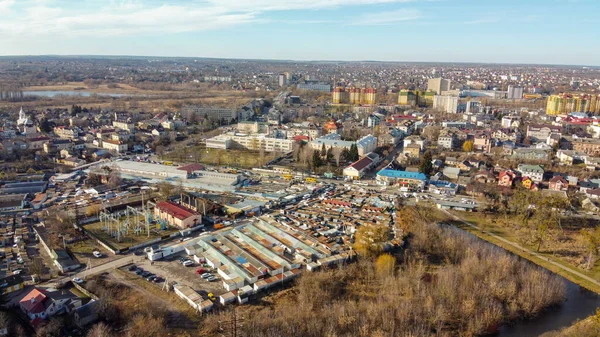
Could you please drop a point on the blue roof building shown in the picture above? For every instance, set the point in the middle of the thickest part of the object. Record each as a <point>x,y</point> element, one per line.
<point>410,180</point>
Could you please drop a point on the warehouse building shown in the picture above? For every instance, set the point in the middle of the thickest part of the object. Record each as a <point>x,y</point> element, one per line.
<point>177,215</point>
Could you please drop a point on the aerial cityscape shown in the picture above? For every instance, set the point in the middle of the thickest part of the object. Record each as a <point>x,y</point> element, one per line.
<point>286,168</point>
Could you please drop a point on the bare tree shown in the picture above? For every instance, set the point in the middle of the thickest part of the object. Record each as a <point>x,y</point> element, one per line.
<point>100,330</point>
<point>337,155</point>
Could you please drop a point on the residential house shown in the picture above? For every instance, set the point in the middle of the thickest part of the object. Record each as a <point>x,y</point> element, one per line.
<point>482,142</point>
<point>507,135</point>
<point>570,157</point>
<point>114,145</point>
<point>360,167</point>
<point>412,150</point>
<point>447,140</point>
<point>593,193</point>
<point>529,184</point>
<point>589,146</point>
<point>40,304</point>
<point>86,314</point>
<point>535,172</point>
<point>507,178</point>
<point>11,284</point>
<point>558,183</point>
<point>531,154</point>
<point>485,177</point>
<point>542,132</point>
<point>451,172</point>
<point>415,140</point>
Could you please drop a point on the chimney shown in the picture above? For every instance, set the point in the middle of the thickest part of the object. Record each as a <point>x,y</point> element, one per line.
<point>33,300</point>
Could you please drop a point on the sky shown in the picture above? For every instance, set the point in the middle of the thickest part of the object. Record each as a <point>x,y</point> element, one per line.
<point>506,31</point>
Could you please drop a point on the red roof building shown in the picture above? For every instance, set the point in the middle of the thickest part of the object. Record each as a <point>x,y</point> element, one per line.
<point>191,168</point>
<point>176,215</point>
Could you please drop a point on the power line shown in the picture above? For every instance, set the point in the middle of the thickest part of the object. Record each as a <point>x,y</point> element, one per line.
<point>232,326</point>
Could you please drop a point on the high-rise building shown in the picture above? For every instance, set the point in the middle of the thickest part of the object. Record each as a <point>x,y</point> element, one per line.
<point>514,92</point>
<point>353,95</point>
<point>407,97</point>
<point>282,80</point>
<point>565,103</point>
<point>425,99</point>
<point>438,85</point>
<point>446,103</point>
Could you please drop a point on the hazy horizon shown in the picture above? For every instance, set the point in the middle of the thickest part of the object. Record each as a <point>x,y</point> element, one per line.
<point>553,32</point>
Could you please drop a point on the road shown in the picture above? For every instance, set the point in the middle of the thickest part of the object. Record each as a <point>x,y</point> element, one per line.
<point>125,260</point>
<point>527,250</point>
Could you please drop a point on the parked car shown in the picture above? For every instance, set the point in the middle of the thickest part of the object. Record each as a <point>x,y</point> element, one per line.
<point>212,278</point>
<point>78,280</point>
<point>157,279</point>
<point>17,271</point>
<point>145,274</point>
<point>150,277</point>
<point>188,263</point>
<point>97,254</point>
<point>206,275</point>
<point>133,268</point>
<point>139,271</point>
<point>200,271</point>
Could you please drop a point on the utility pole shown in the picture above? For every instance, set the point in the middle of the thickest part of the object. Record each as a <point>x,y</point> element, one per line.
<point>232,326</point>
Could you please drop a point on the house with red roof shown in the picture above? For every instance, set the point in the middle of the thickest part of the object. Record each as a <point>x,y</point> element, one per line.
<point>177,215</point>
<point>40,304</point>
<point>558,183</point>
<point>506,178</point>
<point>360,167</point>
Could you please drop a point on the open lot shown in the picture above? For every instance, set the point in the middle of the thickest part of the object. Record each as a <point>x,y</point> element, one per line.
<point>128,240</point>
<point>233,158</point>
<point>83,251</point>
<point>173,271</point>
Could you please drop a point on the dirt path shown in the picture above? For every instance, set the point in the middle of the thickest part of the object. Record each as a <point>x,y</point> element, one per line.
<point>527,250</point>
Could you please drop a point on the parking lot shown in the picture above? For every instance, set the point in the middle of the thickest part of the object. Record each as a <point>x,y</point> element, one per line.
<point>174,272</point>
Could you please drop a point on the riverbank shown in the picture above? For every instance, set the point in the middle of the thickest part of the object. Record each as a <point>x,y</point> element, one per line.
<point>547,261</point>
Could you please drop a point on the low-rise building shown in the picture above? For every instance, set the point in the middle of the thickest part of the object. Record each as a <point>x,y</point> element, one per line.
<point>176,215</point>
<point>589,146</point>
<point>409,180</point>
<point>558,183</point>
<point>531,154</point>
<point>360,167</point>
<point>114,145</point>
<point>535,172</point>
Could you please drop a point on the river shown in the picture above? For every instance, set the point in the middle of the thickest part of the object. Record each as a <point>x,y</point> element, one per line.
<point>580,303</point>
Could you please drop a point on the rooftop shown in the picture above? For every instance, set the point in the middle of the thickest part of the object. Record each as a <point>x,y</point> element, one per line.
<point>401,174</point>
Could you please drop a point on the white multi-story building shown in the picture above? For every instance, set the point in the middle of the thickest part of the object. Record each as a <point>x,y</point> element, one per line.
<point>446,103</point>
<point>438,85</point>
<point>333,140</point>
<point>514,92</point>
<point>251,142</point>
<point>114,145</point>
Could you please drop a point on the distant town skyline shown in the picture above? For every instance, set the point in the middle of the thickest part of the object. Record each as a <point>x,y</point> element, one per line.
<point>511,31</point>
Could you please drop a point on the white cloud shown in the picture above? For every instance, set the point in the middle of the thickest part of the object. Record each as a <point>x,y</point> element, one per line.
<point>280,5</point>
<point>5,6</point>
<point>481,21</point>
<point>386,18</point>
<point>32,18</point>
